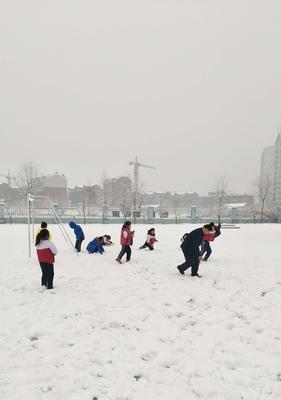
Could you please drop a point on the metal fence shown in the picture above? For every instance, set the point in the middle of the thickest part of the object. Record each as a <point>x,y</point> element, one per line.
<point>106,215</point>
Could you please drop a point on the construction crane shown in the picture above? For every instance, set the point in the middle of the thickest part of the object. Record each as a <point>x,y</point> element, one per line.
<point>9,178</point>
<point>136,165</point>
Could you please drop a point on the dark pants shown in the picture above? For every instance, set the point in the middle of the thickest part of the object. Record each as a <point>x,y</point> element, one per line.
<point>125,250</point>
<point>147,245</point>
<point>78,245</point>
<point>47,275</point>
<point>190,262</point>
<point>206,248</point>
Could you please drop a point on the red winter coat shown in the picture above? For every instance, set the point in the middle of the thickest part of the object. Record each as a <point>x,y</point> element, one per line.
<point>209,237</point>
<point>150,239</point>
<point>126,236</point>
<point>46,251</point>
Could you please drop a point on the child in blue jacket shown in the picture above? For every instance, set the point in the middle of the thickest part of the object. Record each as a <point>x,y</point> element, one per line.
<point>79,235</point>
<point>96,246</point>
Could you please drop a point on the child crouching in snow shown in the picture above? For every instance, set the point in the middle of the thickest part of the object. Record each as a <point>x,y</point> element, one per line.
<point>46,251</point>
<point>150,240</point>
<point>107,240</point>
<point>96,246</point>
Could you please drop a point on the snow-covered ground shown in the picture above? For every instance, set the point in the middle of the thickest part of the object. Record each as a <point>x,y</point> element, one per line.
<point>140,330</point>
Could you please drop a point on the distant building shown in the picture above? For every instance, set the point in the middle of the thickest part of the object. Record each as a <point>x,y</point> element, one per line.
<point>162,199</point>
<point>267,172</point>
<point>277,172</point>
<point>87,196</point>
<point>55,187</point>
<point>267,163</point>
<point>117,191</point>
<point>8,194</point>
<point>169,200</point>
<point>210,201</point>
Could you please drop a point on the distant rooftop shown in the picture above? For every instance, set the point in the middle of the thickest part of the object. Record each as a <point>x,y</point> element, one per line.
<point>235,205</point>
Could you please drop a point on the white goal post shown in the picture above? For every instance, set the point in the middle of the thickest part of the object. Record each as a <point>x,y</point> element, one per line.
<point>30,212</point>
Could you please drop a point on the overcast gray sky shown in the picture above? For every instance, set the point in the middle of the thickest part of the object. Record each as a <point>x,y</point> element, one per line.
<point>192,87</point>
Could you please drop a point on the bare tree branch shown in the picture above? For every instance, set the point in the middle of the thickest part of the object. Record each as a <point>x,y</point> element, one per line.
<point>263,185</point>
<point>29,178</point>
<point>219,194</point>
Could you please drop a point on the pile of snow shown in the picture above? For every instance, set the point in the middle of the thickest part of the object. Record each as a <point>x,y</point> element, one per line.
<point>140,330</point>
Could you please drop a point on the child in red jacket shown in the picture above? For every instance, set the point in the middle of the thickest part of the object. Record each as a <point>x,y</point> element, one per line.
<point>46,251</point>
<point>206,250</point>
<point>150,240</point>
<point>126,241</point>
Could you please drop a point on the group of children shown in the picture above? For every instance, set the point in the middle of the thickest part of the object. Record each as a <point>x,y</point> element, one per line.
<point>46,250</point>
<point>95,245</point>
<point>195,246</point>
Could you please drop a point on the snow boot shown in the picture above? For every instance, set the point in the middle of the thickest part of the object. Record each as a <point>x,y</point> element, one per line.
<point>180,270</point>
<point>198,276</point>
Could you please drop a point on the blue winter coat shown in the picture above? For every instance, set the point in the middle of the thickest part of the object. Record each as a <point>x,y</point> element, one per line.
<point>77,230</point>
<point>95,246</point>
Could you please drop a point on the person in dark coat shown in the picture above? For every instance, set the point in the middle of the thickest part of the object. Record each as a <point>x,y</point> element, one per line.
<point>96,245</point>
<point>191,250</point>
<point>210,237</point>
<point>79,235</point>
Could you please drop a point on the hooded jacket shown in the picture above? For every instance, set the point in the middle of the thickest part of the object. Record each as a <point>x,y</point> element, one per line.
<point>95,246</point>
<point>77,230</point>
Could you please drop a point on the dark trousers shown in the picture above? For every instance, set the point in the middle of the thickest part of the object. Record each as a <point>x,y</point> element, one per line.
<point>47,274</point>
<point>190,262</point>
<point>125,250</point>
<point>78,245</point>
<point>147,245</point>
<point>206,248</point>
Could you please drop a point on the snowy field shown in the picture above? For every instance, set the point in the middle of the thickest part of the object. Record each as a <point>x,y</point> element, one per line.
<point>140,330</point>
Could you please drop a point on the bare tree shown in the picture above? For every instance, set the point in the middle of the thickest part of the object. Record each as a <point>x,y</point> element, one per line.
<point>175,205</point>
<point>263,185</point>
<point>126,205</point>
<point>105,199</point>
<point>219,194</point>
<point>103,182</point>
<point>140,198</point>
<point>137,199</point>
<point>29,178</point>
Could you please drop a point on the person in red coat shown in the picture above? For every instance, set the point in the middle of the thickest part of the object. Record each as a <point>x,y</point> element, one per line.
<point>150,240</point>
<point>126,241</point>
<point>206,250</point>
<point>46,251</point>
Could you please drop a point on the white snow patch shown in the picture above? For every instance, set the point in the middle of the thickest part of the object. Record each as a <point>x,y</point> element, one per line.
<point>141,330</point>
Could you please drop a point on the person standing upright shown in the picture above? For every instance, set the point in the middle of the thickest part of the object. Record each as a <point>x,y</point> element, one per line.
<point>126,240</point>
<point>46,251</point>
<point>44,225</point>
<point>191,250</point>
